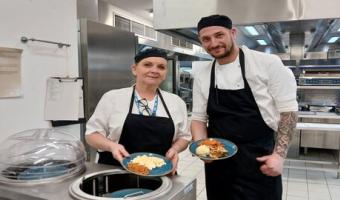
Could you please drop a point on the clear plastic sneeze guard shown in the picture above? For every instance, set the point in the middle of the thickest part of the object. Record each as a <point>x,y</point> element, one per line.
<point>40,156</point>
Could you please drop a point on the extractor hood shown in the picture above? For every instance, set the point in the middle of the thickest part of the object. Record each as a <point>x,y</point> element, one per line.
<point>178,14</point>
<point>293,27</point>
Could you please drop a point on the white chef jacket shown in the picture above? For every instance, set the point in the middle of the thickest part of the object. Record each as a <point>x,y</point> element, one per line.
<point>272,84</point>
<point>111,111</point>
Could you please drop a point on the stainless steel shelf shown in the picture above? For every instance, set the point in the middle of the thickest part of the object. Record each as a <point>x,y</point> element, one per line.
<point>318,87</point>
<point>318,126</point>
<point>322,127</point>
<point>318,115</point>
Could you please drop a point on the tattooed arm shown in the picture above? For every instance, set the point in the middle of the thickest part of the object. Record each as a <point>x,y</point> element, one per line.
<point>285,132</point>
<point>272,165</point>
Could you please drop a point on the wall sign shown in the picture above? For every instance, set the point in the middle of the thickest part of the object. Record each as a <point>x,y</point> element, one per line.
<point>10,76</point>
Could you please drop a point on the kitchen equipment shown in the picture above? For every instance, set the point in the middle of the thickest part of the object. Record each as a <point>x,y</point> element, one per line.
<point>43,164</point>
<point>319,81</point>
<point>319,77</point>
<point>319,138</point>
<point>321,108</point>
<point>337,110</point>
<point>106,55</point>
<point>118,183</point>
<point>104,180</point>
<point>318,105</point>
<point>40,156</point>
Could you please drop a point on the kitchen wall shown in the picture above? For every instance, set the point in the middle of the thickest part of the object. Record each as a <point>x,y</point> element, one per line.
<point>54,20</point>
<point>106,11</point>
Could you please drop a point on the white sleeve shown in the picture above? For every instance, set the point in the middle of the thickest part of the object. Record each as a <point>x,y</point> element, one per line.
<point>199,104</point>
<point>282,86</point>
<point>100,118</point>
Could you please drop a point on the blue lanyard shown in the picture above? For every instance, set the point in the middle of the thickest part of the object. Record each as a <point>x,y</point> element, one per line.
<point>154,110</point>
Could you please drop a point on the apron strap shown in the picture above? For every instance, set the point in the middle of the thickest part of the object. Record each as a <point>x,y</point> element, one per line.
<point>241,59</point>
<point>212,76</point>
<point>163,102</point>
<point>132,98</point>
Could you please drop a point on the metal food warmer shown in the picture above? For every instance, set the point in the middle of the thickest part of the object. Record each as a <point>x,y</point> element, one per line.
<point>49,164</point>
<point>318,95</point>
<point>317,76</point>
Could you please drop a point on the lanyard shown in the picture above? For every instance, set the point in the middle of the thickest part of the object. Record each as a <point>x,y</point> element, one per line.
<point>146,107</point>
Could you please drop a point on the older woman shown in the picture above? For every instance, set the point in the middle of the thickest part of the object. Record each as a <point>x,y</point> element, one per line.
<point>141,117</point>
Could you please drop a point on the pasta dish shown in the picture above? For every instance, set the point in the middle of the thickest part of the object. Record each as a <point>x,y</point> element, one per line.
<point>143,164</point>
<point>212,148</point>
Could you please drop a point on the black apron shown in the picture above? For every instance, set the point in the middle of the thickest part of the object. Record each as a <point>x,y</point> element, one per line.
<point>234,115</point>
<point>143,134</point>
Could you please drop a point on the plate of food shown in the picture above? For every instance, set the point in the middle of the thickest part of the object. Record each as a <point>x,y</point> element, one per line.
<point>213,149</point>
<point>147,164</point>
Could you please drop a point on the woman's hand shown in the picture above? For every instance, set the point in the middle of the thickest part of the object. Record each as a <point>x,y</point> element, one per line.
<point>118,152</point>
<point>172,154</point>
<point>272,165</point>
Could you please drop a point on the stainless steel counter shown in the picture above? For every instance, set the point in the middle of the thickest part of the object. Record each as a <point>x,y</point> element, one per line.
<point>318,130</point>
<point>319,115</point>
<point>60,190</point>
<point>317,126</point>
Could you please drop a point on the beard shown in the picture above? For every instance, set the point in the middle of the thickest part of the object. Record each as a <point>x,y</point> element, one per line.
<point>227,52</point>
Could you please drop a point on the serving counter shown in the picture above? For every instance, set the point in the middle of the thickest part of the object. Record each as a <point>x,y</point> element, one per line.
<point>335,128</point>
<point>176,188</point>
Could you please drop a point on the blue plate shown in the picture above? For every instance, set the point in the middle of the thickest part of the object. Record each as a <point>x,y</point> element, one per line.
<point>158,171</point>
<point>130,192</point>
<point>229,146</point>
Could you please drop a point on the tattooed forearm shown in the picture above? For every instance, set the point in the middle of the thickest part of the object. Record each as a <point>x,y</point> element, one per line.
<point>285,132</point>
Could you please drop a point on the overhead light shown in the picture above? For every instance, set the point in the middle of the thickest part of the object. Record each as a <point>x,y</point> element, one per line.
<point>150,11</point>
<point>268,50</point>
<point>325,48</point>
<point>251,30</point>
<point>261,42</point>
<point>338,30</point>
<point>332,39</point>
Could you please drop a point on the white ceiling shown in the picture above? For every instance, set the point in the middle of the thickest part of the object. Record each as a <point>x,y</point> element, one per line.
<point>140,8</point>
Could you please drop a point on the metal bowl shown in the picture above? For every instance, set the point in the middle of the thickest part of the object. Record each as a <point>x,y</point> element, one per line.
<point>119,184</point>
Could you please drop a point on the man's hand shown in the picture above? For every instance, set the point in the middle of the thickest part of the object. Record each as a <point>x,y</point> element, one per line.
<point>272,165</point>
<point>118,152</point>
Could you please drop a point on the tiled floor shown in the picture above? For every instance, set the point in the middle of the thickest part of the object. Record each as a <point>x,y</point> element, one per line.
<point>298,184</point>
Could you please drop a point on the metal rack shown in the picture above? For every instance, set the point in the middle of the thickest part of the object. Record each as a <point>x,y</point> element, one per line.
<point>313,87</point>
<point>60,45</point>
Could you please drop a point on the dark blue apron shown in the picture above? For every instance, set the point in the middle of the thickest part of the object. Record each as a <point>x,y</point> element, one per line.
<point>142,133</point>
<point>234,115</point>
